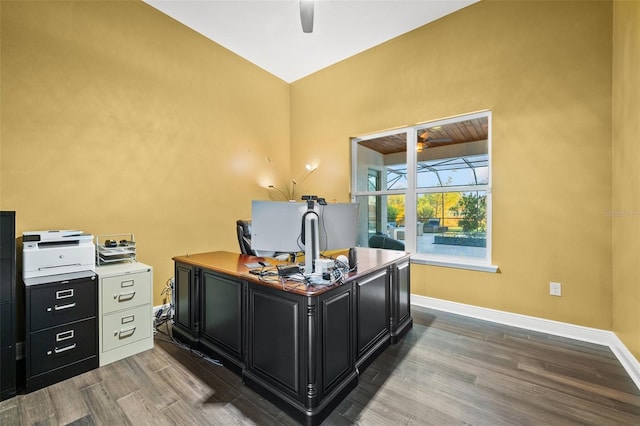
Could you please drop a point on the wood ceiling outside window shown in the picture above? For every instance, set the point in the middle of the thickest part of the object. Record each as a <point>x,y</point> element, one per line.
<point>449,134</point>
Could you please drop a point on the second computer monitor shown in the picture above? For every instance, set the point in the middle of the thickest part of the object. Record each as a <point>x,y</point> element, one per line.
<point>277,226</point>
<point>337,226</point>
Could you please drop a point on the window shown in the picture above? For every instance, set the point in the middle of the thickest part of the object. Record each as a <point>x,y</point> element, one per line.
<point>433,179</point>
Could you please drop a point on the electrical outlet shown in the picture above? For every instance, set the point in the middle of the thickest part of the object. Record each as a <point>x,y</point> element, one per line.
<point>555,289</point>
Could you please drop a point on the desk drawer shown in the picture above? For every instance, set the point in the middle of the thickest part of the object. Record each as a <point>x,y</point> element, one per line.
<point>122,328</point>
<point>59,346</point>
<point>62,302</point>
<point>125,291</point>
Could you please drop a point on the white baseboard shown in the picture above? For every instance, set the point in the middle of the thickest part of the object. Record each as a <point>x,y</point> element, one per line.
<point>626,358</point>
<point>556,328</point>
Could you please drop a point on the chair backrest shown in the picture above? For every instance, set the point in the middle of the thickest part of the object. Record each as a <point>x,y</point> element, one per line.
<point>384,242</point>
<point>243,228</point>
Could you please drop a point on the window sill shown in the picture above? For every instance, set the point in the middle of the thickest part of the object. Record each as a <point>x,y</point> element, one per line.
<point>457,264</point>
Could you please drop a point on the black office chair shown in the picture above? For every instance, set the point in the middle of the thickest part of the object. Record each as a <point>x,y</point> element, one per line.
<point>243,228</point>
<point>384,242</point>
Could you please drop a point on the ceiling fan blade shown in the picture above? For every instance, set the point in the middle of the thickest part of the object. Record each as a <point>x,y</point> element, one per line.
<point>306,15</point>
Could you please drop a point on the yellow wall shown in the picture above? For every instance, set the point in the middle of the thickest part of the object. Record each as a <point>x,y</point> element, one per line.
<point>544,69</point>
<point>117,119</point>
<point>626,174</point>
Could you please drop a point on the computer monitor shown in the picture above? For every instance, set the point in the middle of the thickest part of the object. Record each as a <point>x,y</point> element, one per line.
<point>276,226</point>
<point>338,226</point>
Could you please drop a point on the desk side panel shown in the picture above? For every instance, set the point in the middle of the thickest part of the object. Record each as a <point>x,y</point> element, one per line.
<point>222,314</point>
<point>186,303</point>
<point>275,335</point>
<point>337,338</point>
<point>373,315</point>
<point>402,280</point>
<point>401,320</point>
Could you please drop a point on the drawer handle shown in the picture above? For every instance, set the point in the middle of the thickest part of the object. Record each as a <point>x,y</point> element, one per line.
<point>123,334</point>
<point>124,297</point>
<point>62,307</point>
<point>63,294</point>
<point>61,350</point>
<point>128,283</point>
<point>64,335</point>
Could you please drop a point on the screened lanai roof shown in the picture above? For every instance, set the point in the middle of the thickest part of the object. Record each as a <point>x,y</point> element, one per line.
<point>450,153</point>
<point>457,171</point>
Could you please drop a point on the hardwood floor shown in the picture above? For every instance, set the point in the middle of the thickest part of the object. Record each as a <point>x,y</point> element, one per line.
<point>448,370</point>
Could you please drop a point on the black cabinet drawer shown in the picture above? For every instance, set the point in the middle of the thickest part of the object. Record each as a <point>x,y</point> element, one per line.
<point>7,279</point>
<point>59,346</point>
<point>7,373</point>
<point>62,302</point>
<point>7,234</point>
<point>6,331</point>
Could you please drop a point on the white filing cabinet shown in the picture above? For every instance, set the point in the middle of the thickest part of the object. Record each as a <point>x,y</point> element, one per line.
<point>124,310</point>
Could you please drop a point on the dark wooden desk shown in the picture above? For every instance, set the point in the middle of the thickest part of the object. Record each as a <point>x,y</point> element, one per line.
<point>301,347</point>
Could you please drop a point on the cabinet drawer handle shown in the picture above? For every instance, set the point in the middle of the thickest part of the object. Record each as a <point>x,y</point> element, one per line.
<point>123,334</point>
<point>125,320</point>
<point>63,294</point>
<point>124,297</point>
<point>64,335</point>
<point>62,307</point>
<point>59,351</point>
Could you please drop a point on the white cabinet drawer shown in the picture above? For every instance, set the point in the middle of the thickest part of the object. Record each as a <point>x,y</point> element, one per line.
<point>122,328</point>
<point>125,291</point>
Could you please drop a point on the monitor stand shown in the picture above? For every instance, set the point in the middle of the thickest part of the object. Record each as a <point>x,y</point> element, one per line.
<point>311,241</point>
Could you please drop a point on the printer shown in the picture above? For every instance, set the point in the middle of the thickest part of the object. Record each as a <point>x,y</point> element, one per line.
<point>57,252</point>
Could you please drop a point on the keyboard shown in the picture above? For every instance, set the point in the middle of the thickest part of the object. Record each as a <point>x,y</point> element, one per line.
<point>287,269</point>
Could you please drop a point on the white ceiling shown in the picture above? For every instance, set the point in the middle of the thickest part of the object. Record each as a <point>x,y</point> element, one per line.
<point>269,34</point>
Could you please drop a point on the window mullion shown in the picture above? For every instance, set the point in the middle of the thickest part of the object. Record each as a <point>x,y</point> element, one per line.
<point>439,189</point>
<point>410,197</point>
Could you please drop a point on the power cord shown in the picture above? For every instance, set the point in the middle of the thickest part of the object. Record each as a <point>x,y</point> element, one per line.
<point>162,315</point>
<point>168,318</point>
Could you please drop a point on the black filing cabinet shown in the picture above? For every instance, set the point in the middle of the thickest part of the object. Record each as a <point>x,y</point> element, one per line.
<point>61,327</point>
<point>7,305</point>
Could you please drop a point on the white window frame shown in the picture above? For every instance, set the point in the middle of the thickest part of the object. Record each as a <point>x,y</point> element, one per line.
<point>411,193</point>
